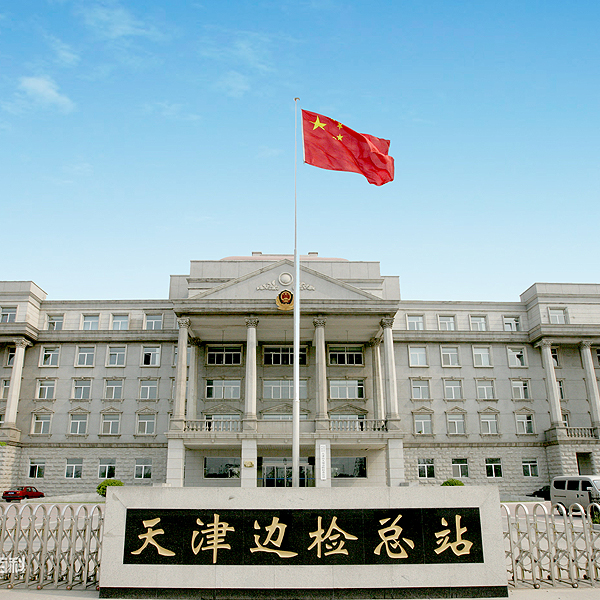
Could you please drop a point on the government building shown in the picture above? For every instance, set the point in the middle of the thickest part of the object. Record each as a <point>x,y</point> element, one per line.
<point>196,390</point>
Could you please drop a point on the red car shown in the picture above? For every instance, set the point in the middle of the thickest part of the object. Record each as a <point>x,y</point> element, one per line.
<point>22,493</point>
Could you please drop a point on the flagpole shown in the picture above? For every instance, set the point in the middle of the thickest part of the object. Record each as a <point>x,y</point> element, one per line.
<point>296,395</point>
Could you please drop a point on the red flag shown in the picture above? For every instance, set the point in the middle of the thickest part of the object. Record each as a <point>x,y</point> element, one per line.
<point>330,145</point>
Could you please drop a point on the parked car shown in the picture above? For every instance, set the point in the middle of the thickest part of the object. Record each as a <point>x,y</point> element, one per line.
<point>22,493</point>
<point>543,493</point>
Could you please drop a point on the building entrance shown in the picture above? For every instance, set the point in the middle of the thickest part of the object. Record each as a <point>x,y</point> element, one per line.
<point>277,472</point>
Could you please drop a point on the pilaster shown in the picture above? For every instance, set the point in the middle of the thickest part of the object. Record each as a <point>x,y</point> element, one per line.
<point>251,378</point>
<point>322,416</point>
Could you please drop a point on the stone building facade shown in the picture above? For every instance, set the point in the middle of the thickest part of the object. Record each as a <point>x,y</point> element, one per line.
<point>196,390</point>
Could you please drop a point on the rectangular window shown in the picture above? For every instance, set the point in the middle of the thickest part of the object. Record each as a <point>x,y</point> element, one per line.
<point>478,323</point>
<point>149,389</point>
<point>423,424</point>
<point>4,388</point>
<point>41,424</point>
<point>8,314</point>
<point>78,425</point>
<point>46,388</point>
<point>418,356</point>
<point>146,424</point>
<point>282,355</point>
<point>447,323</point>
<point>493,467</point>
<point>36,468</point>
<point>561,388</point>
<point>282,389</point>
<point>231,355</point>
<point>143,468</point>
<point>456,424</point>
<point>216,467</point>
<point>1,419</point>
<point>530,468</point>
<point>520,389</point>
<point>110,424</point>
<point>452,389</point>
<point>120,322</point>
<point>151,356</point>
<point>345,355</point>
<point>348,466</point>
<point>154,321</point>
<point>460,468</point>
<point>558,316</point>
<point>485,389</point>
<point>10,356</point>
<point>415,322</point>
<point>107,468</point>
<point>516,357</point>
<point>512,323</point>
<point>420,389</point>
<point>74,468</point>
<point>55,322</point>
<point>489,423</point>
<point>113,389</point>
<point>223,389</point>
<point>85,356</point>
<point>82,389</point>
<point>565,419</point>
<point>426,468</point>
<point>50,356</point>
<point>90,322</point>
<point>116,356</point>
<point>554,354</point>
<point>346,389</point>
<point>525,424</point>
<point>482,356</point>
<point>450,356</point>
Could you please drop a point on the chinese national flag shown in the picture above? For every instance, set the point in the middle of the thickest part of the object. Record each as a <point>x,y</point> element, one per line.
<point>330,145</point>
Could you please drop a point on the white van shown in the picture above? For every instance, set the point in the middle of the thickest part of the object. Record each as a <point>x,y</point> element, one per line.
<point>575,489</point>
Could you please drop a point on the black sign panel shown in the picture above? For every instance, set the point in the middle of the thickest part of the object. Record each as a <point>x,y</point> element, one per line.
<point>303,537</point>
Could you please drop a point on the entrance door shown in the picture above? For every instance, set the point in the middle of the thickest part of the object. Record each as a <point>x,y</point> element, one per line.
<point>277,472</point>
<point>584,463</point>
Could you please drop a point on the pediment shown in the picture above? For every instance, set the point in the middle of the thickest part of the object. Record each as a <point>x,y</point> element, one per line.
<point>284,409</point>
<point>222,409</point>
<point>348,409</point>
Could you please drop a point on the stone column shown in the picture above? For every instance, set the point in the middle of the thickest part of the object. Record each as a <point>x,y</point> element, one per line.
<point>249,467</point>
<point>192,399</point>
<point>178,421</point>
<point>391,388</point>
<point>592,384</point>
<point>322,416</point>
<point>14,389</point>
<point>551,385</point>
<point>378,400</point>
<point>251,379</point>
<point>175,462</point>
<point>323,463</point>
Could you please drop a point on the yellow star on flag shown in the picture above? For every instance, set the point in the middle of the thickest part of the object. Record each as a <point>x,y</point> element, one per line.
<point>318,124</point>
<point>339,125</point>
<point>339,137</point>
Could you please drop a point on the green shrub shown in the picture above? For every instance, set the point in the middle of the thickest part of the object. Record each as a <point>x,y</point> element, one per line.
<point>101,489</point>
<point>453,482</point>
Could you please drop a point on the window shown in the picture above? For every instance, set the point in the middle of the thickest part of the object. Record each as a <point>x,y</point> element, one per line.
<point>446,323</point>
<point>426,468</point>
<point>456,424</point>
<point>146,424</point>
<point>561,389</point>
<point>82,389</point>
<point>50,356</point>
<point>282,389</point>
<point>565,419</point>
<point>4,388</point>
<point>282,355</point>
<point>558,316</point>
<point>452,389</point>
<point>226,389</point>
<point>485,389</point>
<point>516,357</point>
<point>224,355</point>
<point>143,468</point>
<point>478,323</point>
<point>524,423</point>
<point>120,322</point>
<point>216,467</point>
<point>520,389</point>
<point>450,356</point>
<point>85,356</point>
<point>90,322</point>
<point>346,389</point>
<point>420,389</point>
<point>348,466</point>
<point>116,356</point>
<point>554,354</point>
<point>36,468</point>
<point>460,468</point>
<point>154,321</point>
<point>1,419</point>
<point>482,356</point>
<point>530,468</point>
<point>151,356</point>
<point>493,467</point>
<point>55,322</point>
<point>113,389</point>
<point>418,356</point>
<point>149,389</point>
<point>74,468</point>
<point>10,356</point>
<point>110,424</point>
<point>345,355</point>
<point>107,468</point>
<point>512,324</point>
<point>489,423</point>
<point>8,314</point>
<point>46,389</point>
<point>78,425</point>
<point>423,425</point>
<point>415,322</point>
<point>41,424</point>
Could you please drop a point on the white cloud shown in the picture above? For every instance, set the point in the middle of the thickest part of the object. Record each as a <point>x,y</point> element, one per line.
<point>244,48</point>
<point>43,91</point>
<point>64,54</point>
<point>170,110</point>
<point>234,84</point>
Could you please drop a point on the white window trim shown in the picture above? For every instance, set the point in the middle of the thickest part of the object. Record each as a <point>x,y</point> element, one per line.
<point>525,414</point>
<point>425,380</point>
<point>107,363</point>
<point>485,322</point>
<point>422,317</point>
<point>33,421</point>
<point>77,349</point>
<point>563,310</point>
<point>426,357</point>
<point>156,314</point>
<point>462,414</point>
<point>442,357</point>
<point>42,352</point>
<point>75,381</point>
<point>525,364</point>
<point>446,316</point>
<point>489,349</point>
<point>82,322</point>
<point>155,366</point>
<point>112,321</point>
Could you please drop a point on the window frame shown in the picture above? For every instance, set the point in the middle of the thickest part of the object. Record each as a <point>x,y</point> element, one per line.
<point>557,315</point>
<point>451,321</point>
<point>53,320</point>
<point>41,418</point>
<point>341,463</point>
<point>222,385</point>
<point>77,384</point>
<point>482,321</point>
<point>74,463</point>
<point>426,468</point>
<point>336,383</point>
<point>415,320</point>
<point>525,388</point>
<point>87,362</point>
<point>487,418</point>
<point>150,318</point>
<point>104,420</point>
<point>6,312</point>
<point>145,418</point>
<point>525,423</point>
<point>349,352</point>
<point>417,383</point>
<point>233,350</point>
<point>511,323</point>
<point>46,384</point>
<point>460,473</point>
<point>426,419</point>
<point>75,422</point>
<point>450,419</point>
<point>152,352</point>
<point>476,353</point>
<point>512,354</point>
<point>451,383</point>
<point>444,352</point>
<point>412,353</point>
<point>91,320</point>
<point>145,384</point>
<point>53,353</point>
<point>285,385</point>
<point>480,384</point>
<point>285,353</point>
<point>530,467</point>
<point>108,463</point>
<point>495,472</point>
<point>107,386</point>
<point>145,466</point>
<point>37,467</point>
<point>110,352</point>
<point>233,468</point>
<point>118,319</point>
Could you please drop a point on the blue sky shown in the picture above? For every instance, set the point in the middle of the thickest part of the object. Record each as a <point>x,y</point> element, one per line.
<point>137,136</point>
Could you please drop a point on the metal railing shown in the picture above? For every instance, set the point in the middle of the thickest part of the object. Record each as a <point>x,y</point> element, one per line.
<point>552,547</point>
<point>48,545</point>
